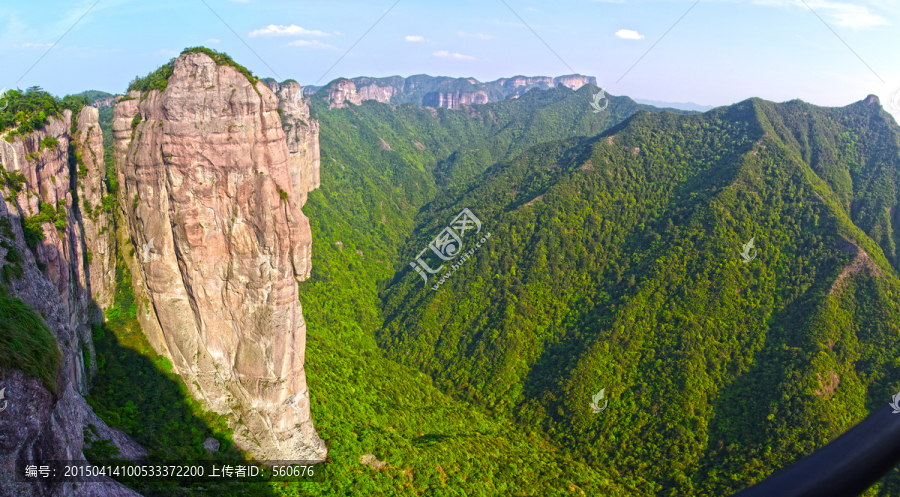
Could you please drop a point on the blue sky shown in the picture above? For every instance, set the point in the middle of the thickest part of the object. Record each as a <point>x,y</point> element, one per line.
<point>721,52</point>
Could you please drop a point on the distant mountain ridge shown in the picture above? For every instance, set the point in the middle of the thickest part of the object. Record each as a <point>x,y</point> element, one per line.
<point>447,92</point>
<point>675,105</point>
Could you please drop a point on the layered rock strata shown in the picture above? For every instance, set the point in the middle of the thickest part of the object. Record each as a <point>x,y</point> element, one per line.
<point>574,81</point>
<point>37,424</point>
<point>302,134</point>
<point>340,92</point>
<point>220,243</point>
<point>454,100</point>
<point>95,218</point>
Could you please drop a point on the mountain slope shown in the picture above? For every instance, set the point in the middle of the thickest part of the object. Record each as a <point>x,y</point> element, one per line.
<point>613,263</point>
<point>378,170</point>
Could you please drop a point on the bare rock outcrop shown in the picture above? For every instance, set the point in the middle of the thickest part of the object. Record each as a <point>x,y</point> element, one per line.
<point>453,100</point>
<point>302,134</point>
<point>368,89</point>
<point>517,81</point>
<point>574,81</point>
<point>95,219</point>
<point>341,91</point>
<point>205,174</point>
<point>38,424</point>
<point>106,102</point>
<point>42,158</point>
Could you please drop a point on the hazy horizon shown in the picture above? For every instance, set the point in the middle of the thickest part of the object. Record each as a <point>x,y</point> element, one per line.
<point>710,53</point>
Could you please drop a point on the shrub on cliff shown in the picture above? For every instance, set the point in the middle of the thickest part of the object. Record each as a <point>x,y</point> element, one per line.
<point>26,343</point>
<point>29,110</point>
<point>159,79</point>
<point>223,59</point>
<point>156,80</point>
<point>31,226</point>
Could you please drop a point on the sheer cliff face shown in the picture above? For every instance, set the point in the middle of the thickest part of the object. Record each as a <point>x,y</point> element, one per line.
<point>340,92</point>
<point>37,424</point>
<point>91,189</point>
<point>517,81</point>
<point>302,133</point>
<point>220,243</point>
<point>382,94</point>
<point>453,100</point>
<point>574,81</point>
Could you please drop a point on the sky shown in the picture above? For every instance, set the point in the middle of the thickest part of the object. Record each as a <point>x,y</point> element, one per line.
<point>710,52</point>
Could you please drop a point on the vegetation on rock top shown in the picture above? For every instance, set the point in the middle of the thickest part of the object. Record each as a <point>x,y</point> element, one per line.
<point>29,110</point>
<point>159,79</point>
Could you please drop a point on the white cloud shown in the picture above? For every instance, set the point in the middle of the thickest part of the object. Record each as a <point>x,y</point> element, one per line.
<point>167,52</point>
<point>838,13</point>
<point>480,36</point>
<point>292,30</point>
<point>213,40</point>
<point>34,45</point>
<point>311,44</point>
<point>414,38</point>
<point>628,34</point>
<point>240,1</point>
<point>532,9</point>
<point>447,55</point>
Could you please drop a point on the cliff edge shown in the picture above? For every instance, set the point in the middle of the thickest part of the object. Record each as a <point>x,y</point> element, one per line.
<point>213,212</point>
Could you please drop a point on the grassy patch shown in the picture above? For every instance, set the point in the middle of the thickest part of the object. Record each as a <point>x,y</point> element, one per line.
<point>26,343</point>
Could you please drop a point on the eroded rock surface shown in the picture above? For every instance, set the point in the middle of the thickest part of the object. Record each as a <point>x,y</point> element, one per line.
<point>206,176</point>
<point>302,134</point>
<point>454,100</point>
<point>37,424</point>
<point>574,81</point>
<point>91,188</point>
<point>340,92</point>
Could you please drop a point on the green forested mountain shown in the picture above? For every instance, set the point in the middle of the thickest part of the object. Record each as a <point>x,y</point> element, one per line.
<point>360,218</point>
<point>613,263</point>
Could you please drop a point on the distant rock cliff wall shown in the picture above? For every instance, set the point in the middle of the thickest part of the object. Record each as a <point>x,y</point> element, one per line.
<point>454,100</point>
<point>340,92</point>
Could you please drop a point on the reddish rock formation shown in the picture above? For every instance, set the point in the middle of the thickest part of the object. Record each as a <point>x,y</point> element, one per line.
<point>206,176</point>
<point>302,133</point>
<point>340,92</point>
<point>91,189</point>
<point>38,424</point>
